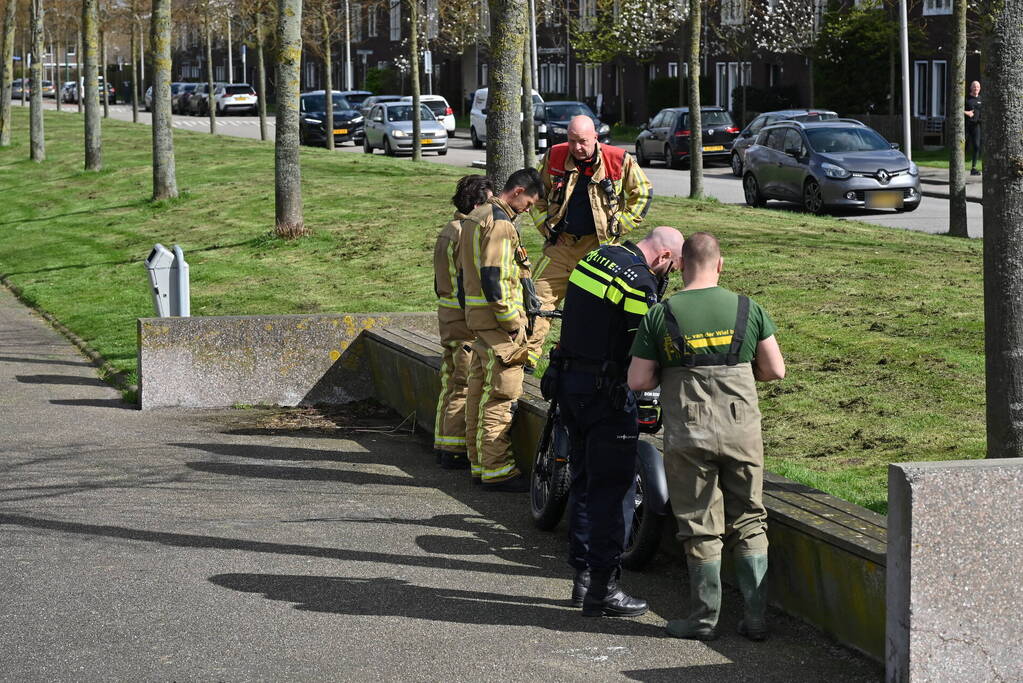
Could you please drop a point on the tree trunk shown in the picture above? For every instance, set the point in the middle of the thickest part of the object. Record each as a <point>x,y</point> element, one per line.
<point>211,105</point>
<point>134,71</point>
<point>105,73</point>
<point>230,52</point>
<point>695,120</point>
<point>504,141</point>
<point>57,81</point>
<point>528,119</point>
<point>288,171</point>
<point>1003,233</point>
<point>37,141</point>
<point>79,74</point>
<point>417,122</point>
<point>7,72</point>
<point>140,86</point>
<point>957,126</point>
<point>328,76</point>
<point>165,184</point>
<point>683,58</point>
<point>90,41</point>
<point>260,76</point>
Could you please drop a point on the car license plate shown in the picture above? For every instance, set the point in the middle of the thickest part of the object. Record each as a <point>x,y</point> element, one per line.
<point>340,131</point>
<point>884,199</point>
<point>714,148</point>
<point>427,141</point>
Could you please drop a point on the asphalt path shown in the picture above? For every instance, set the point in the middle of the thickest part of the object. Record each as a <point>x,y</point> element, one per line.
<point>931,216</point>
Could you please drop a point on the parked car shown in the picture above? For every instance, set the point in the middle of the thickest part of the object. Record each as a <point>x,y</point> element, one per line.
<point>478,116</point>
<point>666,136</point>
<point>552,121</point>
<point>235,97</point>
<point>69,91</point>
<point>199,100</point>
<point>348,124</point>
<point>18,85</point>
<point>49,90</point>
<point>355,97</point>
<point>829,164</point>
<point>180,96</point>
<point>65,91</point>
<point>749,133</point>
<point>442,111</point>
<point>389,127</point>
<point>367,104</point>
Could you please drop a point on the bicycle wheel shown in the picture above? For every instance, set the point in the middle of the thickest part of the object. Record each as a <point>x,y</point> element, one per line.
<point>551,478</point>
<point>645,534</point>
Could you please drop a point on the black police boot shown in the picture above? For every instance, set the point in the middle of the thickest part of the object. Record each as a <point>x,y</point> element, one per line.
<point>580,585</point>
<point>454,461</point>
<point>605,598</point>
<point>440,455</point>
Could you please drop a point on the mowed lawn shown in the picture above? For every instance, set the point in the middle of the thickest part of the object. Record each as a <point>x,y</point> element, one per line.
<point>882,329</point>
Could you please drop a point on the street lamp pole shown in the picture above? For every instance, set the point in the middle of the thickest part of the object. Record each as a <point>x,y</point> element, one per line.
<point>532,38</point>
<point>348,49</point>
<point>904,39</point>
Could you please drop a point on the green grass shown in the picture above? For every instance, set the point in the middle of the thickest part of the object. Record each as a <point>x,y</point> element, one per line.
<point>624,134</point>
<point>938,158</point>
<point>882,329</point>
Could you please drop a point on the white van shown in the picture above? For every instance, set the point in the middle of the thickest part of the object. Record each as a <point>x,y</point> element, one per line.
<point>478,116</point>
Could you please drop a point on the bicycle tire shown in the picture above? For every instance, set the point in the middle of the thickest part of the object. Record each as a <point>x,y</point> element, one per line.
<point>550,479</point>
<point>645,536</point>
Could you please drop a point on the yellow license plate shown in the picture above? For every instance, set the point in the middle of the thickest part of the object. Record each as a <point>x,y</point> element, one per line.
<point>714,148</point>
<point>427,141</point>
<point>884,199</point>
<point>340,131</point>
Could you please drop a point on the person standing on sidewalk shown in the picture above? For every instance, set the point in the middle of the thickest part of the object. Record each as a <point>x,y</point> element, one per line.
<point>493,266</point>
<point>449,427</point>
<point>707,346</point>
<point>973,119</point>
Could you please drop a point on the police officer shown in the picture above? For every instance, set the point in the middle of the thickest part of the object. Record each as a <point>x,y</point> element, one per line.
<point>593,195</point>
<point>706,346</point>
<point>449,426</point>
<point>608,293</point>
<point>493,267</point>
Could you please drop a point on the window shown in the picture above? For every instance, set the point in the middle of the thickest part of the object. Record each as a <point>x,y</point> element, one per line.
<point>732,12</point>
<point>552,78</point>
<point>652,72</point>
<point>355,17</point>
<point>939,84</point>
<point>432,20</point>
<point>371,21</point>
<point>485,18</point>
<point>484,74</point>
<point>920,89</point>
<point>311,78</point>
<point>776,137</point>
<point>757,124</point>
<point>587,14</point>
<point>587,80</point>
<point>773,75</point>
<point>672,69</point>
<point>730,75</point>
<point>792,140</point>
<point>395,20</point>
<point>932,7</point>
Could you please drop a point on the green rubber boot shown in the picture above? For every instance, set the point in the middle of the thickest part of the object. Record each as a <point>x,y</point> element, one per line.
<point>751,575</point>
<point>705,600</point>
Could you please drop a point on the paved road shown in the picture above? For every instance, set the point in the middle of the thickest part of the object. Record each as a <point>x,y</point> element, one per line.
<point>201,545</point>
<point>932,216</point>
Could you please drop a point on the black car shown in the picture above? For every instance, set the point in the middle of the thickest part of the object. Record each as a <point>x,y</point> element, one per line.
<point>666,136</point>
<point>348,125</point>
<point>552,121</point>
<point>179,98</point>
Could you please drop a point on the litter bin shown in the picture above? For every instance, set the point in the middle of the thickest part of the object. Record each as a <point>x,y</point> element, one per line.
<point>168,277</point>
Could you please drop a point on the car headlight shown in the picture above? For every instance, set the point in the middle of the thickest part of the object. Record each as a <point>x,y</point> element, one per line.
<point>914,170</point>
<point>558,130</point>
<point>315,122</point>
<point>357,119</point>
<point>833,171</point>
<point>399,133</point>
<point>604,129</point>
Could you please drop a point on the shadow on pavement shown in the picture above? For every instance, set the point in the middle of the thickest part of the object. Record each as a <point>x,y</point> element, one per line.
<point>44,361</point>
<point>94,403</point>
<point>71,380</point>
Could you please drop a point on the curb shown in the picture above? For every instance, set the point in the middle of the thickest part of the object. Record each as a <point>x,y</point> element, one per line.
<point>945,195</point>
<point>109,373</point>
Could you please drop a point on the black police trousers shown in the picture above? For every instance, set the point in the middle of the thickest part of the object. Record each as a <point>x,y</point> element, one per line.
<point>603,457</point>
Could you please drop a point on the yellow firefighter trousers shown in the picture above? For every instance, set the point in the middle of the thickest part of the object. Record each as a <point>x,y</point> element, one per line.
<point>551,279</point>
<point>495,382</point>
<point>714,459</point>
<point>449,426</point>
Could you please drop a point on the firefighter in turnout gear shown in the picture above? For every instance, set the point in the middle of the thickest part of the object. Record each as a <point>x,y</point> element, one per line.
<point>707,346</point>
<point>449,427</point>
<point>493,267</point>
<point>594,194</point>
<point>608,293</point>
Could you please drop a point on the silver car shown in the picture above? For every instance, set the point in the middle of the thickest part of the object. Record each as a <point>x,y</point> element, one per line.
<point>748,135</point>
<point>829,164</point>
<point>389,127</point>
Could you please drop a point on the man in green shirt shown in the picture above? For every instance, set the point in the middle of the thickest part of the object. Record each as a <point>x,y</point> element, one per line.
<point>706,346</point>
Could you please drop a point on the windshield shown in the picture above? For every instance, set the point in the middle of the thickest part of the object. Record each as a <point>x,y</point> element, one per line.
<point>828,140</point>
<point>241,90</point>
<point>710,118</point>
<point>563,112</point>
<point>438,107</point>
<point>319,102</point>
<point>403,112</point>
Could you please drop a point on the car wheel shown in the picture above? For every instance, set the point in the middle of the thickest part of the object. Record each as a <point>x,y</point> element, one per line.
<point>736,165</point>
<point>476,144</point>
<point>813,199</point>
<point>442,152</point>
<point>366,147</point>
<point>640,157</point>
<point>220,110</point>
<point>388,150</point>
<point>670,161</point>
<point>751,190</point>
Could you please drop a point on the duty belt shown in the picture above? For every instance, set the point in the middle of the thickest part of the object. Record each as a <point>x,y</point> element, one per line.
<point>690,360</point>
<point>591,367</point>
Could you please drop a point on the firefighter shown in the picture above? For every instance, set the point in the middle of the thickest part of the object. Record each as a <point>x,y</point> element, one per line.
<point>449,426</point>
<point>707,346</point>
<point>493,266</point>
<point>593,195</point>
<point>608,293</point>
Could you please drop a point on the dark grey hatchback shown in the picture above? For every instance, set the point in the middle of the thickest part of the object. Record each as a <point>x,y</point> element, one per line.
<point>666,136</point>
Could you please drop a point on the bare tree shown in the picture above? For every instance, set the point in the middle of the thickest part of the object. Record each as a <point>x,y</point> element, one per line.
<point>288,169</point>
<point>165,183</point>
<point>257,19</point>
<point>90,41</point>
<point>37,141</point>
<point>322,28</point>
<point>695,120</point>
<point>504,139</point>
<point>957,126</point>
<point>207,26</point>
<point>528,116</point>
<point>791,26</point>
<point>261,74</point>
<point>7,71</point>
<point>136,48</point>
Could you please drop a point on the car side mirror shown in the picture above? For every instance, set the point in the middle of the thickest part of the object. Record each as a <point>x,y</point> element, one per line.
<point>793,152</point>
<point>483,111</point>
<point>747,134</point>
<point>894,145</point>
